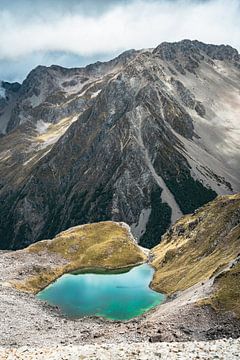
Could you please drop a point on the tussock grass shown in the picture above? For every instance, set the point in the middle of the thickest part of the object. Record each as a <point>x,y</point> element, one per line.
<point>105,244</point>
<point>199,246</point>
<point>227,291</point>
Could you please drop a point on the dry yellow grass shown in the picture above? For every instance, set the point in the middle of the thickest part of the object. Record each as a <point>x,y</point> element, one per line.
<point>227,291</point>
<point>105,244</point>
<point>55,130</point>
<point>199,246</point>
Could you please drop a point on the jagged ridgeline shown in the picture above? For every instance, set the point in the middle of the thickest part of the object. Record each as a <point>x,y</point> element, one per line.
<point>143,138</point>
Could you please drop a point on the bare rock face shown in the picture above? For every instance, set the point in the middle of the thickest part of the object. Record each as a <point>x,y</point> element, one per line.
<point>8,94</point>
<point>143,139</point>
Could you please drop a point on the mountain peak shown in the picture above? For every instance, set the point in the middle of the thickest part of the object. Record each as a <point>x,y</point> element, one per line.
<point>171,50</point>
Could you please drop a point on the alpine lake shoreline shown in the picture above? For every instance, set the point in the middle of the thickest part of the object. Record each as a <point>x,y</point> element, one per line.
<point>117,294</point>
<point>32,324</point>
<point>41,331</point>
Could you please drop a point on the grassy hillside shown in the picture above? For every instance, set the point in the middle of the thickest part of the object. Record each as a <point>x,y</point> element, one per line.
<point>227,294</point>
<point>198,247</point>
<point>105,244</point>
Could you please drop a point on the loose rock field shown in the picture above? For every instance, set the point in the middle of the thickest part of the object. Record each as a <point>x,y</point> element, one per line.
<point>219,349</point>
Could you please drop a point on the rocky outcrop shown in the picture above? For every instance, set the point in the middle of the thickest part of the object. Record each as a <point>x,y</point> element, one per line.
<point>51,93</point>
<point>141,139</point>
<point>8,95</point>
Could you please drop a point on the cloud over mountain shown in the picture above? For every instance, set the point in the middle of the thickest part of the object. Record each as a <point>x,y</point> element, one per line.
<point>89,28</point>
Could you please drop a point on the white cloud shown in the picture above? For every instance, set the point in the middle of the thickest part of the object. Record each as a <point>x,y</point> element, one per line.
<point>136,25</point>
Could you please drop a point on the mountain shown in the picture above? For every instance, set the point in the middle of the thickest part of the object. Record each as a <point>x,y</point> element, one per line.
<point>144,138</point>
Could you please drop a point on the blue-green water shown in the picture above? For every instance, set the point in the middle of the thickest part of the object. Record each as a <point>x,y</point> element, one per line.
<point>115,296</point>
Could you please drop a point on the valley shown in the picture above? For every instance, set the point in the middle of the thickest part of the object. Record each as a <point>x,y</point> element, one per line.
<point>198,306</point>
<point>127,168</point>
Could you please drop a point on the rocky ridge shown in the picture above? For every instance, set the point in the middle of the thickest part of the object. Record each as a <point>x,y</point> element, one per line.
<point>126,140</point>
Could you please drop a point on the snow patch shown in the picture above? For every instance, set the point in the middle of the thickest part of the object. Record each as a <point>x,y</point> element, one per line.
<point>95,94</point>
<point>42,126</point>
<point>92,84</point>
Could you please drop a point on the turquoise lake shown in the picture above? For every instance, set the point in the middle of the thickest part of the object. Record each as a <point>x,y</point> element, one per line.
<point>113,295</point>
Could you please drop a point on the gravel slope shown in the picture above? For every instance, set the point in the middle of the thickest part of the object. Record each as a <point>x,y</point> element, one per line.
<point>220,349</point>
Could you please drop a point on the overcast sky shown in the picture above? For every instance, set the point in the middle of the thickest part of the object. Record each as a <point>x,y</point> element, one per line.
<point>77,32</point>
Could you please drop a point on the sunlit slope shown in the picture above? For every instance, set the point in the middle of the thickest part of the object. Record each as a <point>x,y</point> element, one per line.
<point>201,246</point>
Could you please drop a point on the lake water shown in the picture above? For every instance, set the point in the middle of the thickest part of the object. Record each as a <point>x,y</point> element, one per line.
<point>115,295</point>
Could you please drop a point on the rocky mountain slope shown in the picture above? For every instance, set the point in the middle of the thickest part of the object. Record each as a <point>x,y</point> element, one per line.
<point>144,138</point>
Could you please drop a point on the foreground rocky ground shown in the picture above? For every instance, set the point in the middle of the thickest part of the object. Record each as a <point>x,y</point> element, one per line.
<point>220,349</point>
<point>26,321</point>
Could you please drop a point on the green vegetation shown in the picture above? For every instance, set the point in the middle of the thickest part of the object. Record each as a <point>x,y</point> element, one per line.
<point>190,194</point>
<point>227,294</point>
<point>159,220</point>
<point>199,246</point>
<point>105,244</point>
